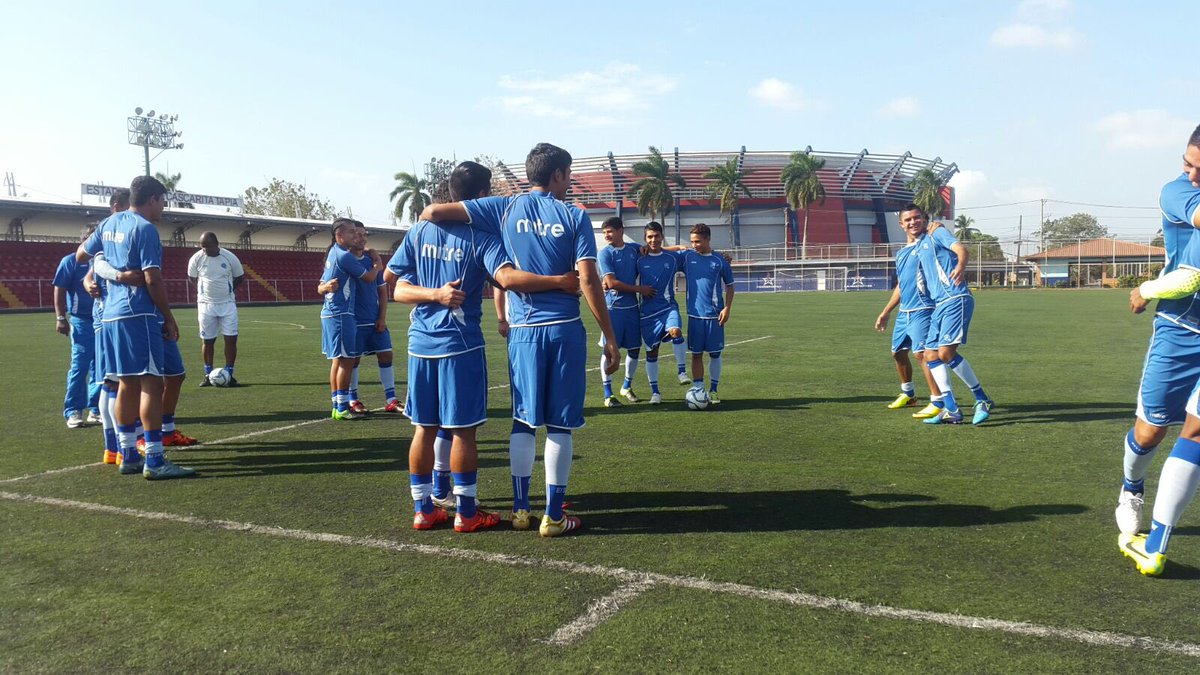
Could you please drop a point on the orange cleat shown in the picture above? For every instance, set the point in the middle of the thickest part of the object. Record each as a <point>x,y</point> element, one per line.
<point>141,446</point>
<point>426,521</point>
<point>481,520</point>
<point>111,457</point>
<point>177,439</point>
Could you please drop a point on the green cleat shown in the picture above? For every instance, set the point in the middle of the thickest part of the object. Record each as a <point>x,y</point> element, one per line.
<point>713,399</point>
<point>983,410</point>
<point>1133,546</point>
<point>166,471</point>
<point>902,401</point>
<point>612,402</point>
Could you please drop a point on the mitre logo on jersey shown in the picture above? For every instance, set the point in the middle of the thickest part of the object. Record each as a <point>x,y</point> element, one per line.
<point>444,253</point>
<point>539,228</point>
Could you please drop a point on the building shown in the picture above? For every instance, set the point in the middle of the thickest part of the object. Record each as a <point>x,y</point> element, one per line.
<point>1097,262</point>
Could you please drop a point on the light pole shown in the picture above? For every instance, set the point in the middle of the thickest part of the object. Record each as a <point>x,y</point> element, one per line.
<point>149,131</point>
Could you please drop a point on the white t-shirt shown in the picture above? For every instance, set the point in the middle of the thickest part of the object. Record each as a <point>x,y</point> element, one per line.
<point>214,275</point>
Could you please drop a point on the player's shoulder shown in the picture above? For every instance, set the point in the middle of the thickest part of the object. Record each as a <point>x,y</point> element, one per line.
<point>1180,188</point>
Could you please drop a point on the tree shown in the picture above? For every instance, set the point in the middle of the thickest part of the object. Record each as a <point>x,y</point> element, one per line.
<point>926,187</point>
<point>652,192</point>
<point>410,192</point>
<point>727,183</point>
<point>287,200</point>
<point>1076,226</point>
<point>801,187</point>
<point>172,183</point>
<point>1158,238</point>
<point>981,246</point>
<point>964,228</point>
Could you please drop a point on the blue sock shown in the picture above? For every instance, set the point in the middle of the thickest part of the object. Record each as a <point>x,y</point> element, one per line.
<point>229,369</point>
<point>154,448</point>
<point>464,483</point>
<point>520,492</point>
<point>628,384</point>
<point>607,388</point>
<point>168,422</point>
<point>1135,486</point>
<point>554,501</point>
<point>343,401</point>
<point>127,439</point>
<point>441,484</point>
<point>1156,541</point>
<point>417,481</point>
<point>207,369</point>
<point>110,441</point>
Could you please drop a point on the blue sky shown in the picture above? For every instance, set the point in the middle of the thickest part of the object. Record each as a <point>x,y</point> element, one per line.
<point>1076,101</point>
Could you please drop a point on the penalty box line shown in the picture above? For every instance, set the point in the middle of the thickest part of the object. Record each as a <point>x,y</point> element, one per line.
<point>634,583</point>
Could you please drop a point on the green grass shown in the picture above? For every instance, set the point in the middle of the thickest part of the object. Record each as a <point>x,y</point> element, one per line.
<point>801,480</point>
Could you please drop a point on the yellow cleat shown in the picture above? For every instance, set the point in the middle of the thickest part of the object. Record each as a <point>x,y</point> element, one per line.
<point>925,413</point>
<point>520,519</point>
<point>1133,546</point>
<point>902,401</point>
<point>554,528</point>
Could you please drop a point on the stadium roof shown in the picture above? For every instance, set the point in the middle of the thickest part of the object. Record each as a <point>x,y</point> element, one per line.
<point>846,175</point>
<point>1103,248</point>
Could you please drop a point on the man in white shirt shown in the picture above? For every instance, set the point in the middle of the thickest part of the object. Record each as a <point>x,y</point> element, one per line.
<point>217,273</point>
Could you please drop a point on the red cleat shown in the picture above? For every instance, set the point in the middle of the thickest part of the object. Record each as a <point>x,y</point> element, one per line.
<point>426,521</point>
<point>394,406</point>
<point>177,439</point>
<point>141,447</point>
<point>358,407</point>
<point>481,520</point>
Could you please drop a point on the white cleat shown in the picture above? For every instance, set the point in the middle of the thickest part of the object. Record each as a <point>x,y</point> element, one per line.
<point>74,421</point>
<point>629,395</point>
<point>684,379</point>
<point>655,398</point>
<point>1129,512</point>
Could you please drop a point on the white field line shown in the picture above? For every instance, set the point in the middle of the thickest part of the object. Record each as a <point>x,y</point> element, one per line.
<point>51,472</point>
<point>633,578</point>
<point>595,368</point>
<point>598,611</point>
<point>280,323</point>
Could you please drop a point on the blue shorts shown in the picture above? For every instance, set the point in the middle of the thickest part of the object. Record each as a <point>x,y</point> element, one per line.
<point>949,323</point>
<point>448,392</point>
<point>655,328</point>
<point>339,337</point>
<point>368,341</point>
<point>627,324</point>
<point>100,369</point>
<point>1170,374</point>
<point>705,335</point>
<point>911,330</point>
<point>172,359</point>
<point>134,346</point>
<point>547,366</point>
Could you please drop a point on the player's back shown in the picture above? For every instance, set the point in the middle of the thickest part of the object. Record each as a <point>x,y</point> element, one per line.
<point>914,294</point>
<point>658,270</point>
<point>708,274</point>
<point>938,261</point>
<point>622,263</point>
<point>1179,201</point>
<point>129,243</point>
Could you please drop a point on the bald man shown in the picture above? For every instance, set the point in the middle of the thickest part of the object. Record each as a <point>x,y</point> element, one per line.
<point>217,273</point>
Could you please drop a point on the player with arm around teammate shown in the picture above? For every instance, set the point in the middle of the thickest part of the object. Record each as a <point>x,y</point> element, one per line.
<point>660,320</point>
<point>338,327</point>
<point>709,302</point>
<point>618,267</point>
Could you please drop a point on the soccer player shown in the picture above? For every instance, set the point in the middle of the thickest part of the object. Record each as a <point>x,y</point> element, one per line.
<point>442,269</point>
<point>216,273</point>
<point>373,336</point>
<point>618,266</point>
<point>138,324</point>
<point>547,343</point>
<point>73,310</point>
<point>338,326</point>
<point>709,301</point>
<point>943,260</point>
<point>1169,390</point>
<point>660,313</point>
<point>911,295</point>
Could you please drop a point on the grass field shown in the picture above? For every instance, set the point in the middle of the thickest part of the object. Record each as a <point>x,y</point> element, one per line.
<point>800,526</point>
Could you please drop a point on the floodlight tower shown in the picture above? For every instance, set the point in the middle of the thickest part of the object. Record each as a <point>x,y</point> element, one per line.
<point>149,131</point>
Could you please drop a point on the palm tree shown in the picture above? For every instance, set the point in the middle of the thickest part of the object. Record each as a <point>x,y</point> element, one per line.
<point>801,187</point>
<point>964,228</point>
<point>410,192</point>
<point>727,183</point>
<point>172,183</point>
<point>926,187</point>
<point>652,192</point>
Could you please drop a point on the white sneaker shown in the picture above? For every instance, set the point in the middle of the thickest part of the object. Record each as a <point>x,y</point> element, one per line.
<point>684,379</point>
<point>74,421</point>
<point>1129,512</point>
<point>629,395</point>
<point>93,418</point>
<point>655,398</point>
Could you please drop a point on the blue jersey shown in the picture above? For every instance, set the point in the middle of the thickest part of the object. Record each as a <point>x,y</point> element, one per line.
<point>347,268</point>
<point>129,243</point>
<point>432,256</point>
<point>1179,202</point>
<point>622,264</point>
<point>707,276</point>
<point>937,262</point>
<point>658,271</point>
<point>541,235</point>
<point>913,292</point>
<point>69,276</point>
<point>366,300</point>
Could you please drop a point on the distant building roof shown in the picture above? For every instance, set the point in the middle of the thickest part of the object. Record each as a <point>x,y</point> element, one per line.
<point>1103,248</point>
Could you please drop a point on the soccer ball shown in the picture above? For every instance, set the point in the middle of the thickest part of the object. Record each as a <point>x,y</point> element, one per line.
<point>697,399</point>
<point>219,377</point>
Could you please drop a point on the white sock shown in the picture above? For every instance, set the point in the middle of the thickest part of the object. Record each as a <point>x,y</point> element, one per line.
<point>354,380</point>
<point>112,410</point>
<point>1176,489</point>
<point>965,373</point>
<point>522,450</point>
<point>680,349</point>
<point>106,420</point>
<point>907,388</point>
<point>605,378</point>
<point>387,377</point>
<point>652,371</point>
<point>559,453</point>
<point>441,453</point>
<point>1137,465</point>
<point>631,365</point>
<point>714,369</point>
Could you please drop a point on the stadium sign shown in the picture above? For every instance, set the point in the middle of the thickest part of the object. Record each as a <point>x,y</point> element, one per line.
<point>105,191</point>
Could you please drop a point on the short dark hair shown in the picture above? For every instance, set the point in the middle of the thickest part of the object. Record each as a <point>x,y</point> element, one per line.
<point>145,188</point>
<point>87,231</point>
<point>655,226</point>
<point>1195,139</point>
<point>613,222</point>
<point>469,180</point>
<point>910,206</point>
<point>119,197</point>
<point>543,160</point>
<point>702,230</point>
<point>440,193</point>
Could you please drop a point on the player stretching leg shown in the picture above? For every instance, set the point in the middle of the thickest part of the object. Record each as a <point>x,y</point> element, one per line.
<point>547,343</point>
<point>1171,373</point>
<point>660,313</point>
<point>708,307</point>
<point>912,322</point>
<point>338,329</point>
<point>618,267</point>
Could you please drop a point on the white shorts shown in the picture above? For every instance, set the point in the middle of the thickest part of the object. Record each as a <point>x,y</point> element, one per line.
<point>217,319</point>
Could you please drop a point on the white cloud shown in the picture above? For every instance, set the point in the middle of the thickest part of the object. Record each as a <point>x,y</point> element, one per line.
<point>1042,10</point>
<point>906,106</point>
<point>1143,130</point>
<point>605,97</point>
<point>971,188</point>
<point>776,93</point>
<point>1035,35</point>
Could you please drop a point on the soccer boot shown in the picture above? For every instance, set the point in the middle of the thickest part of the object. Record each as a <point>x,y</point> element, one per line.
<point>74,420</point>
<point>1129,512</point>
<point>358,407</point>
<point>394,406</point>
<point>111,457</point>
<point>629,395</point>
<point>129,468</point>
<point>926,412</point>
<point>426,521</point>
<point>983,410</point>
<point>1133,546</point>
<point>946,417</point>
<point>141,446</point>
<point>448,502</point>
<point>555,528</point>
<point>521,519</point>
<point>166,471</point>
<point>655,398</point>
<point>612,402</point>
<point>684,379</point>
<point>348,415</point>
<point>204,382</point>
<point>176,439</point>
<point>233,382</point>
<point>93,417</point>
<point>481,520</point>
<point>902,401</point>
<point>713,399</point>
